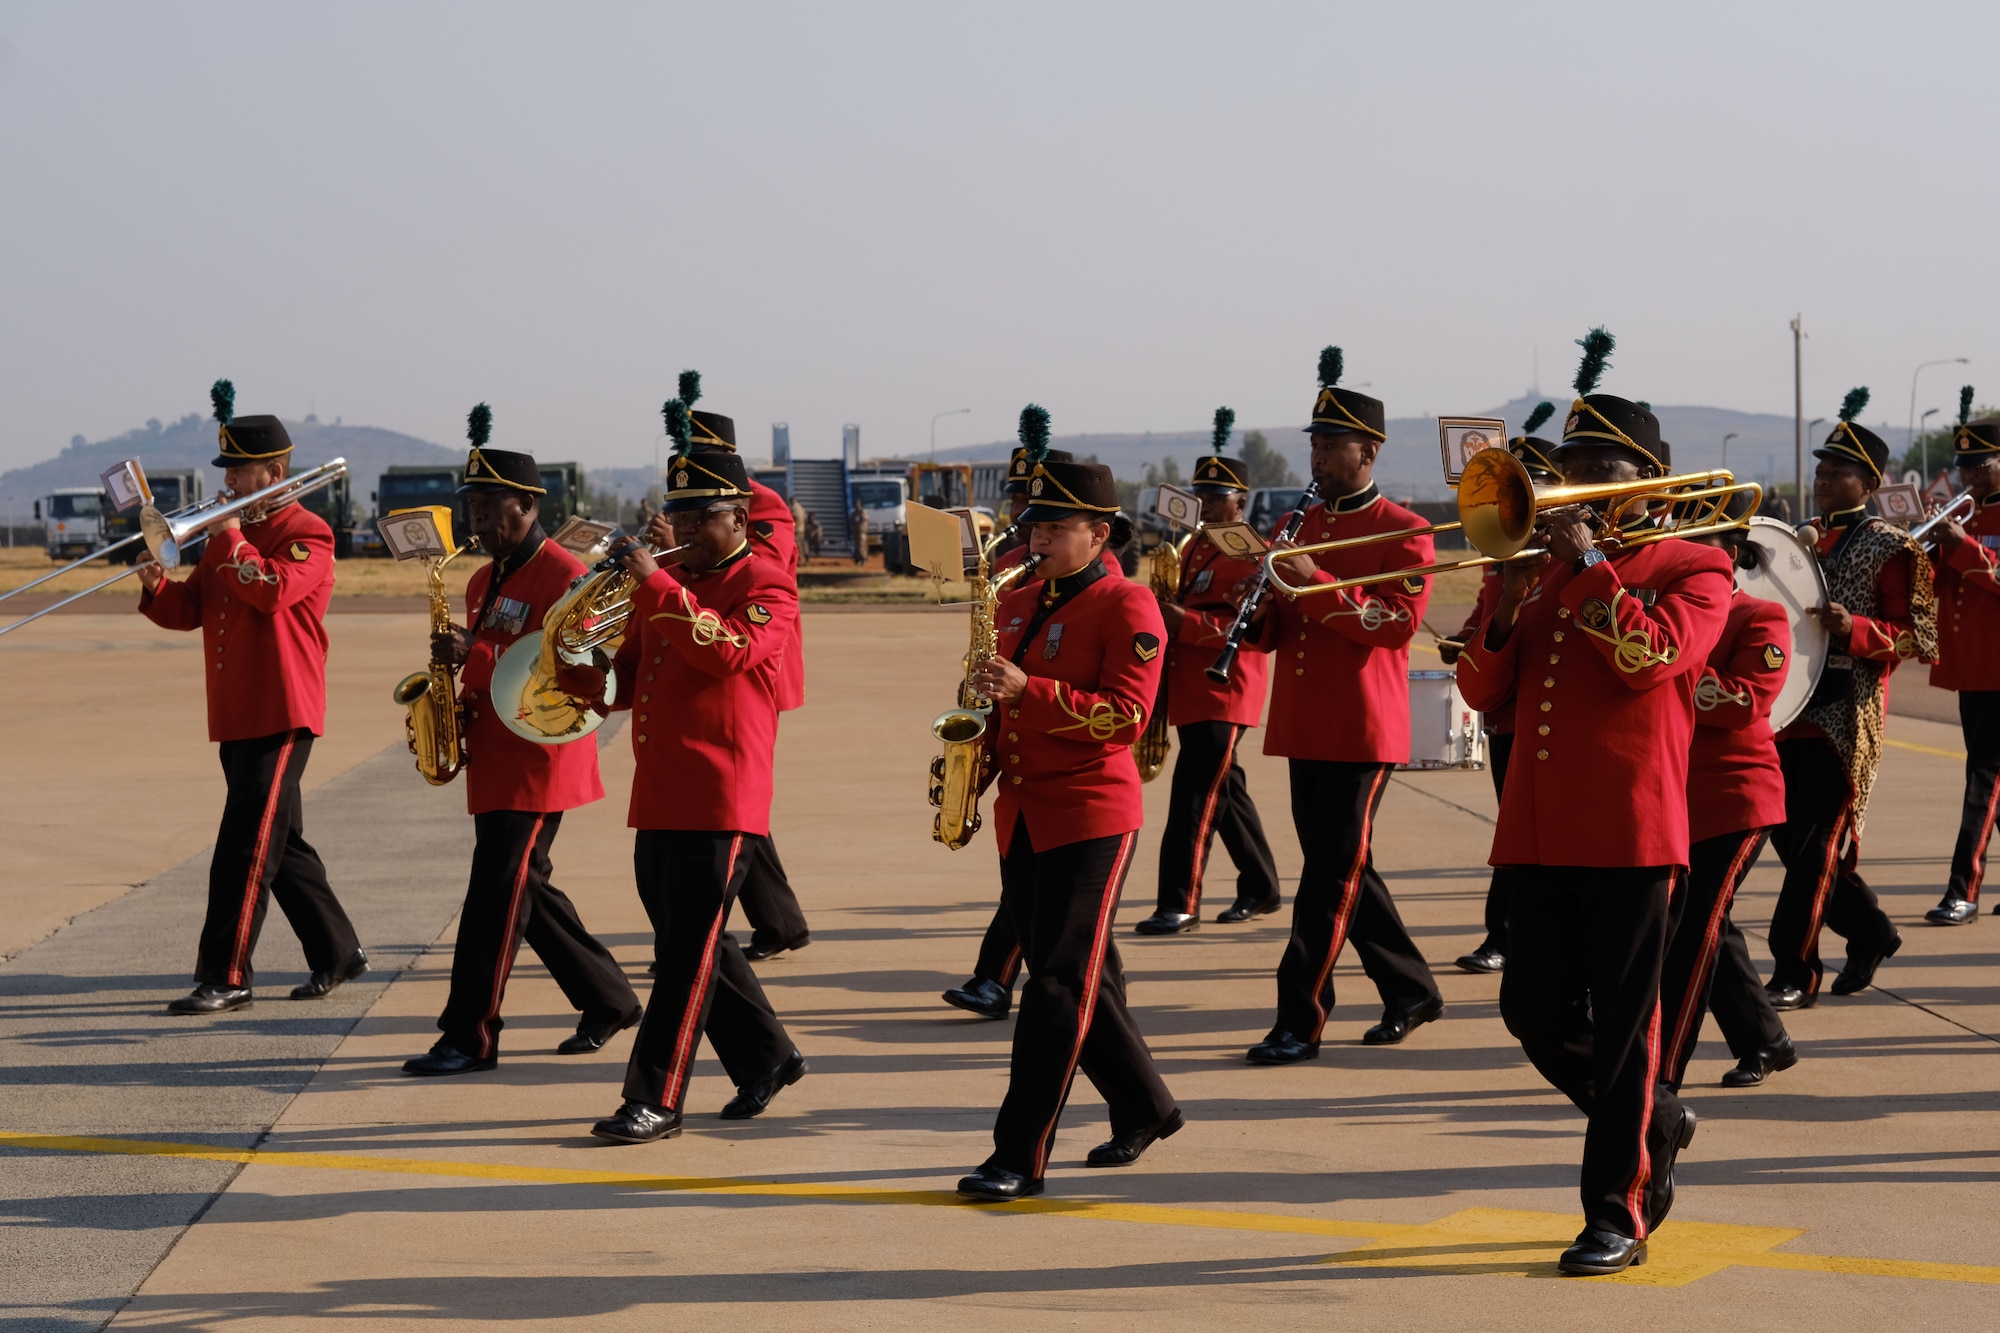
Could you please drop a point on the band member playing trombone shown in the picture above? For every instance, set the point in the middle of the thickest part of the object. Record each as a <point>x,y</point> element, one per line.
<point>1968,596</point>
<point>259,598</point>
<point>1340,712</point>
<point>1601,650</point>
<point>1882,611</point>
<point>515,789</point>
<point>1210,795</point>
<point>700,670</point>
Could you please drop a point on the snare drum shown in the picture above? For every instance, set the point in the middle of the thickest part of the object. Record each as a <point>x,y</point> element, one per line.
<point>1444,730</point>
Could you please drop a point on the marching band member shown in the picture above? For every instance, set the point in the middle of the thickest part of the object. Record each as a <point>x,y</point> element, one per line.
<point>268,578</point>
<point>515,790</point>
<point>1883,610</point>
<point>701,668</point>
<point>1340,712</point>
<point>1601,652</point>
<point>1735,795</point>
<point>1079,665</point>
<point>1968,585</point>
<point>1210,795</point>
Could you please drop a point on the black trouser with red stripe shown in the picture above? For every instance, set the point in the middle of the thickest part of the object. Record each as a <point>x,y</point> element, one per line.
<point>1581,993</point>
<point>508,900</point>
<point>261,853</point>
<point>999,949</point>
<point>687,882</point>
<point>1979,715</point>
<point>1708,961</point>
<point>1073,1013</point>
<point>769,905</point>
<point>1210,796</point>
<point>1500,887</point>
<point>1341,897</point>
<point>1820,852</point>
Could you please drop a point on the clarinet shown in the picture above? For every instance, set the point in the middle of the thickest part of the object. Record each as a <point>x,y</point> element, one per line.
<point>1226,659</point>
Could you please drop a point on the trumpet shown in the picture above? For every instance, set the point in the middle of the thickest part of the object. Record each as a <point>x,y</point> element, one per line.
<point>1499,510</point>
<point>1960,508</point>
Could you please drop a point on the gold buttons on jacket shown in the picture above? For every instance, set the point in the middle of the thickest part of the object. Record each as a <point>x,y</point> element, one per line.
<point>644,718</point>
<point>1013,712</point>
<point>1554,658</point>
<point>1548,683</point>
<point>656,661</point>
<point>1543,729</point>
<point>1017,779</point>
<point>1013,758</point>
<point>642,738</point>
<point>1558,636</point>
<point>645,698</point>
<point>1298,671</point>
<point>1541,754</point>
<point>1546,705</point>
<point>1562,612</point>
<point>1013,735</point>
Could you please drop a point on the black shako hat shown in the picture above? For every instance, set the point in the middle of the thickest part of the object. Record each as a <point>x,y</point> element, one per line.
<point>1060,490</point>
<point>1851,443</point>
<point>495,469</point>
<point>1213,473</point>
<point>1606,419</point>
<point>1339,411</point>
<point>1532,449</point>
<point>244,439</point>
<point>699,479</point>
<point>692,430</point>
<point>1974,441</point>
<point>1019,469</point>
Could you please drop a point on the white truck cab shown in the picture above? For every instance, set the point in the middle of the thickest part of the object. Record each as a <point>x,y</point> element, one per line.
<point>72,519</point>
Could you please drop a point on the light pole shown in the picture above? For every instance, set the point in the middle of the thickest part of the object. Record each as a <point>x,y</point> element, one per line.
<point>1725,449</point>
<point>1799,409</point>
<point>1912,425</point>
<point>954,412</point>
<point>1923,425</point>
<point>1810,427</point>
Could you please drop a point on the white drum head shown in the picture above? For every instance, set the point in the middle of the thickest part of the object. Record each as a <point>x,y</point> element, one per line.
<point>1788,573</point>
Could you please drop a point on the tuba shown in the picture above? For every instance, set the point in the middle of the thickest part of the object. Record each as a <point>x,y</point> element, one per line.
<point>434,722</point>
<point>955,774</point>
<point>1156,742</point>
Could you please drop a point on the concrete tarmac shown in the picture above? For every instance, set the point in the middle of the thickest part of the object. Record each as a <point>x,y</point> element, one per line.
<point>1404,1187</point>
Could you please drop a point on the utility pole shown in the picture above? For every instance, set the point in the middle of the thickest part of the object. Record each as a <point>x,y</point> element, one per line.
<point>1725,448</point>
<point>1799,416</point>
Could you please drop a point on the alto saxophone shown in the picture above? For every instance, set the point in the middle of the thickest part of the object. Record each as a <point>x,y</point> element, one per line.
<point>955,774</point>
<point>1156,742</point>
<point>431,695</point>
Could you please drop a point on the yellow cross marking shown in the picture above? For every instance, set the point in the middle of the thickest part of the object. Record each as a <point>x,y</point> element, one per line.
<point>1496,1241</point>
<point>1925,749</point>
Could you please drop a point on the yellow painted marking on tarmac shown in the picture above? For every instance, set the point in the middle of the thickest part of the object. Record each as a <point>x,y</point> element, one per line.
<point>1925,749</point>
<point>1492,1241</point>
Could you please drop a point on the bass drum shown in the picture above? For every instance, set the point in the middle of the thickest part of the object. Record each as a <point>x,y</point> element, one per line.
<point>1444,729</point>
<point>1788,573</point>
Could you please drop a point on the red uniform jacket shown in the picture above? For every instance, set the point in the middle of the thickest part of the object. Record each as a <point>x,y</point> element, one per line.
<point>1500,721</point>
<point>504,771</point>
<point>1061,754</point>
<point>1603,665</point>
<point>1885,637</point>
<point>259,598</point>
<point>1208,577</point>
<point>699,670</point>
<point>1734,782</point>
<point>1340,662</point>
<point>774,533</point>
<point>1968,594</point>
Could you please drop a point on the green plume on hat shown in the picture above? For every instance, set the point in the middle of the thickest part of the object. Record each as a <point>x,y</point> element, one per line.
<point>1035,432</point>
<point>690,387</point>
<point>675,412</point>
<point>1644,406</point>
<point>222,395</point>
<point>1965,404</point>
<point>1854,404</point>
<point>1542,412</point>
<point>479,425</point>
<point>1597,346</point>
<point>1331,365</point>
<point>1225,421</point>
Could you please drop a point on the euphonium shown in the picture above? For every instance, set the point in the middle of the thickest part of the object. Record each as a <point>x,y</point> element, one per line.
<point>431,695</point>
<point>1156,742</point>
<point>955,774</point>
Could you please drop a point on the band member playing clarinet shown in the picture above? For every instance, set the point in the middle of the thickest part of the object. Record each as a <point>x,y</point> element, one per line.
<point>1968,597</point>
<point>1079,665</point>
<point>700,670</point>
<point>1340,712</point>
<point>259,598</point>
<point>515,790</point>
<point>1601,651</point>
<point>1210,795</point>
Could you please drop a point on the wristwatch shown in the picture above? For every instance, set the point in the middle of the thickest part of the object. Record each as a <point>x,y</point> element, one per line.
<point>1591,557</point>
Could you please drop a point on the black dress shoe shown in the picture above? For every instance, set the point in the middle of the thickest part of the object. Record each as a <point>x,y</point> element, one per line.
<point>1241,910</point>
<point>208,999</point>
<point>752,1098</point>
<point>445,1058</point>
<point>758,950</point>
<point>1953,912</point>
<point>1600,1253</point>
<point>996,1184</point>
<point>639,1122</point>
<point>1124,1149</point>
<point>1396,1023</point>
<point>1755,1068</point>
<point>1168,923</point>
<point>1660,1197</point>
<point>1790,997</point>
<point>988,999</point>
<point>1282,1048</point>
<point>1483,959</point>
<point>590,1036</point>
<point>1859,973</point>
<point>323,982</point>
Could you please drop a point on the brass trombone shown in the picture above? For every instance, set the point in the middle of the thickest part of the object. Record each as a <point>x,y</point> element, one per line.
<point>1499,510</point>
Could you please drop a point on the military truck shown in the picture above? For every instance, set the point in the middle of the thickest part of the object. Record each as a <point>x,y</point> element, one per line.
<point>408,487</point>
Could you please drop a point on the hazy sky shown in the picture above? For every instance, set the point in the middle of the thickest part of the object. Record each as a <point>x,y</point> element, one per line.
<point>1126,212</point>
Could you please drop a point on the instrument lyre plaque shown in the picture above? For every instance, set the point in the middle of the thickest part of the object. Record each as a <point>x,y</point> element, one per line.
<point>1459,438</point>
